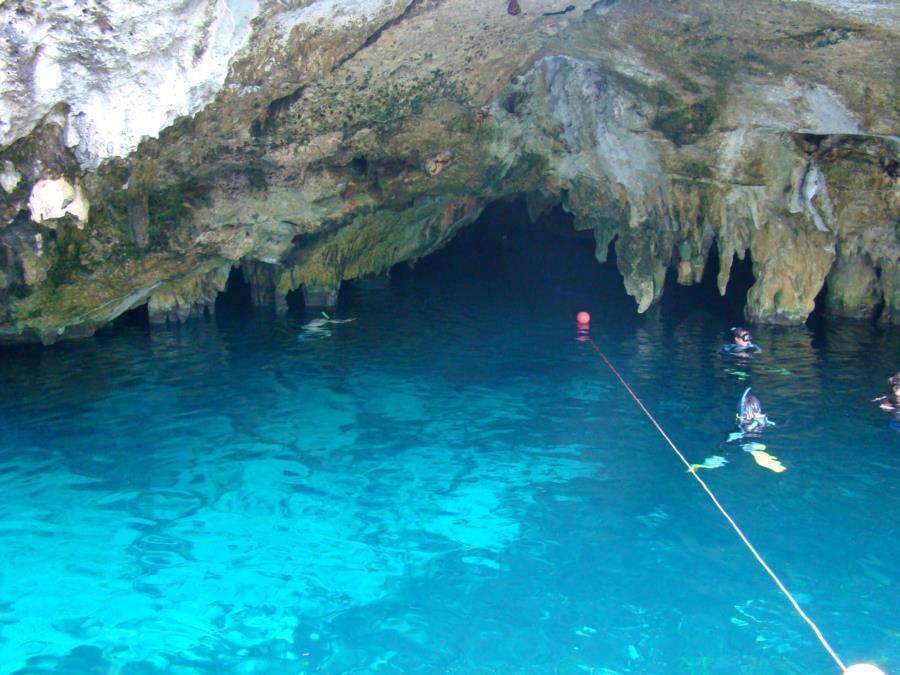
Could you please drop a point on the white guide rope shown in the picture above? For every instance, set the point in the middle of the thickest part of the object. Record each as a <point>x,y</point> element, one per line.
<point>734,525</point>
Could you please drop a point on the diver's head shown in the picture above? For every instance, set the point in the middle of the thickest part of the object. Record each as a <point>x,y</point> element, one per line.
<point>741,337</point>
<point>752,407</point>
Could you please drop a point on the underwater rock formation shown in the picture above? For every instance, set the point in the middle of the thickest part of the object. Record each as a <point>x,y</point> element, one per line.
<point>149,149</point>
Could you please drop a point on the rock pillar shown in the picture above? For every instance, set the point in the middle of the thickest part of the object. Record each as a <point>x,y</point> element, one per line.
<point>321,295</point>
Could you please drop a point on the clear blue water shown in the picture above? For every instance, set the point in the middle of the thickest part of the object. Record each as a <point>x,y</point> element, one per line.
<point>451,483</point>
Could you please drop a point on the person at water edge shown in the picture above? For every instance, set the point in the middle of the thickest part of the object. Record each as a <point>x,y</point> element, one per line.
<point>741,342</point>
<point>750,415</point>
<point>891,398</point>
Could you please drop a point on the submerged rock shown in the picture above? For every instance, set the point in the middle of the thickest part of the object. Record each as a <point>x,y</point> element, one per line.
<point>313,142</point>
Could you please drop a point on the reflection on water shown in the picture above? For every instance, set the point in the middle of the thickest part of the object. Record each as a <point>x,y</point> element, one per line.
<point>450,483</point>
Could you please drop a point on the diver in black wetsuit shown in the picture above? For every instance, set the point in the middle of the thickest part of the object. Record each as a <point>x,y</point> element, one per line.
<point>750,416</point>
<point>741,343</point>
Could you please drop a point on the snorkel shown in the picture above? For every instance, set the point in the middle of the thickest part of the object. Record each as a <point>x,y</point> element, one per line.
<point>742,420</point>
<point>744,401</point>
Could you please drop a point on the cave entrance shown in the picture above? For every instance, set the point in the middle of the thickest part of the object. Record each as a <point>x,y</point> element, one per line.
<point>543,261</point>
<point>136,317</point>
<point>552,263</point>
<point>295,302</point>
<point>679,301</point>
<point>237,296</point>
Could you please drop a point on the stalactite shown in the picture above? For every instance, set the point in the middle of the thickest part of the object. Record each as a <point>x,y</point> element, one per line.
<point>194,296</point>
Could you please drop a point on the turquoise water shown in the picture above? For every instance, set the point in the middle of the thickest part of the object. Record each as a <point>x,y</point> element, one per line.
<point>451,483</point>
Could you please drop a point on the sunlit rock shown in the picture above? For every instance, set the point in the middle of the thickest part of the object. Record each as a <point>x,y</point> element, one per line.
<point>790,264</point>
<point>126,68</point>
<point>54,198</point>
<point>184,298</point>
<point>9,177</point>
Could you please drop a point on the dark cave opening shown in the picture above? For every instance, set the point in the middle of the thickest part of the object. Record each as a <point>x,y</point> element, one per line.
<point>136,317</point>
<point>503,243</point>
<point>237,296</point>
<point>555,263</point>
<point>294,300</point>
<point>816,319</point>
<point>679,300</point>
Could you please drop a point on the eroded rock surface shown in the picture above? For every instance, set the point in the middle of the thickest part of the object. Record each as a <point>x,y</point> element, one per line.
<point>312,142</point>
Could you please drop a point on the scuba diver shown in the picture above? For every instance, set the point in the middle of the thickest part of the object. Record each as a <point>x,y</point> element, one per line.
<point>741,343</point>
<point>891,399</point>
<point>750,416</point>
<point>751,421</point>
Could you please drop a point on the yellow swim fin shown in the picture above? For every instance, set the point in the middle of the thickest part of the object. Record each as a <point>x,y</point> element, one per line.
<point>766,460</point>
<point>714,462</point>
<point>694,467</point>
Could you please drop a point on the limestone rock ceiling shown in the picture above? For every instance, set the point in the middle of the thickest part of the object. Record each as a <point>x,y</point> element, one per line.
<point>148,148</point>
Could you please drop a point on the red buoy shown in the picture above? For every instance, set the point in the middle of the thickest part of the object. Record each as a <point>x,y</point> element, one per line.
<point>583,317</point>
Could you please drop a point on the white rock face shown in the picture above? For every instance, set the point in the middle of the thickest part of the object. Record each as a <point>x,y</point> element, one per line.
<point>332,15</point>
<point>602,130</point>
<point>9,177</point>
<point>55,198</point>
<point>790,106</point>
<point>127,68</point>
<point>884,13</point>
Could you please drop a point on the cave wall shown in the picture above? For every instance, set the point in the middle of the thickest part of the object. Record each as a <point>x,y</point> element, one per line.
<point>309,143</point>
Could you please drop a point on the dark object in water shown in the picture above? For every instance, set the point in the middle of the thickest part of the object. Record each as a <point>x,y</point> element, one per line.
<point>570,8</point>
<point>513,8</point>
